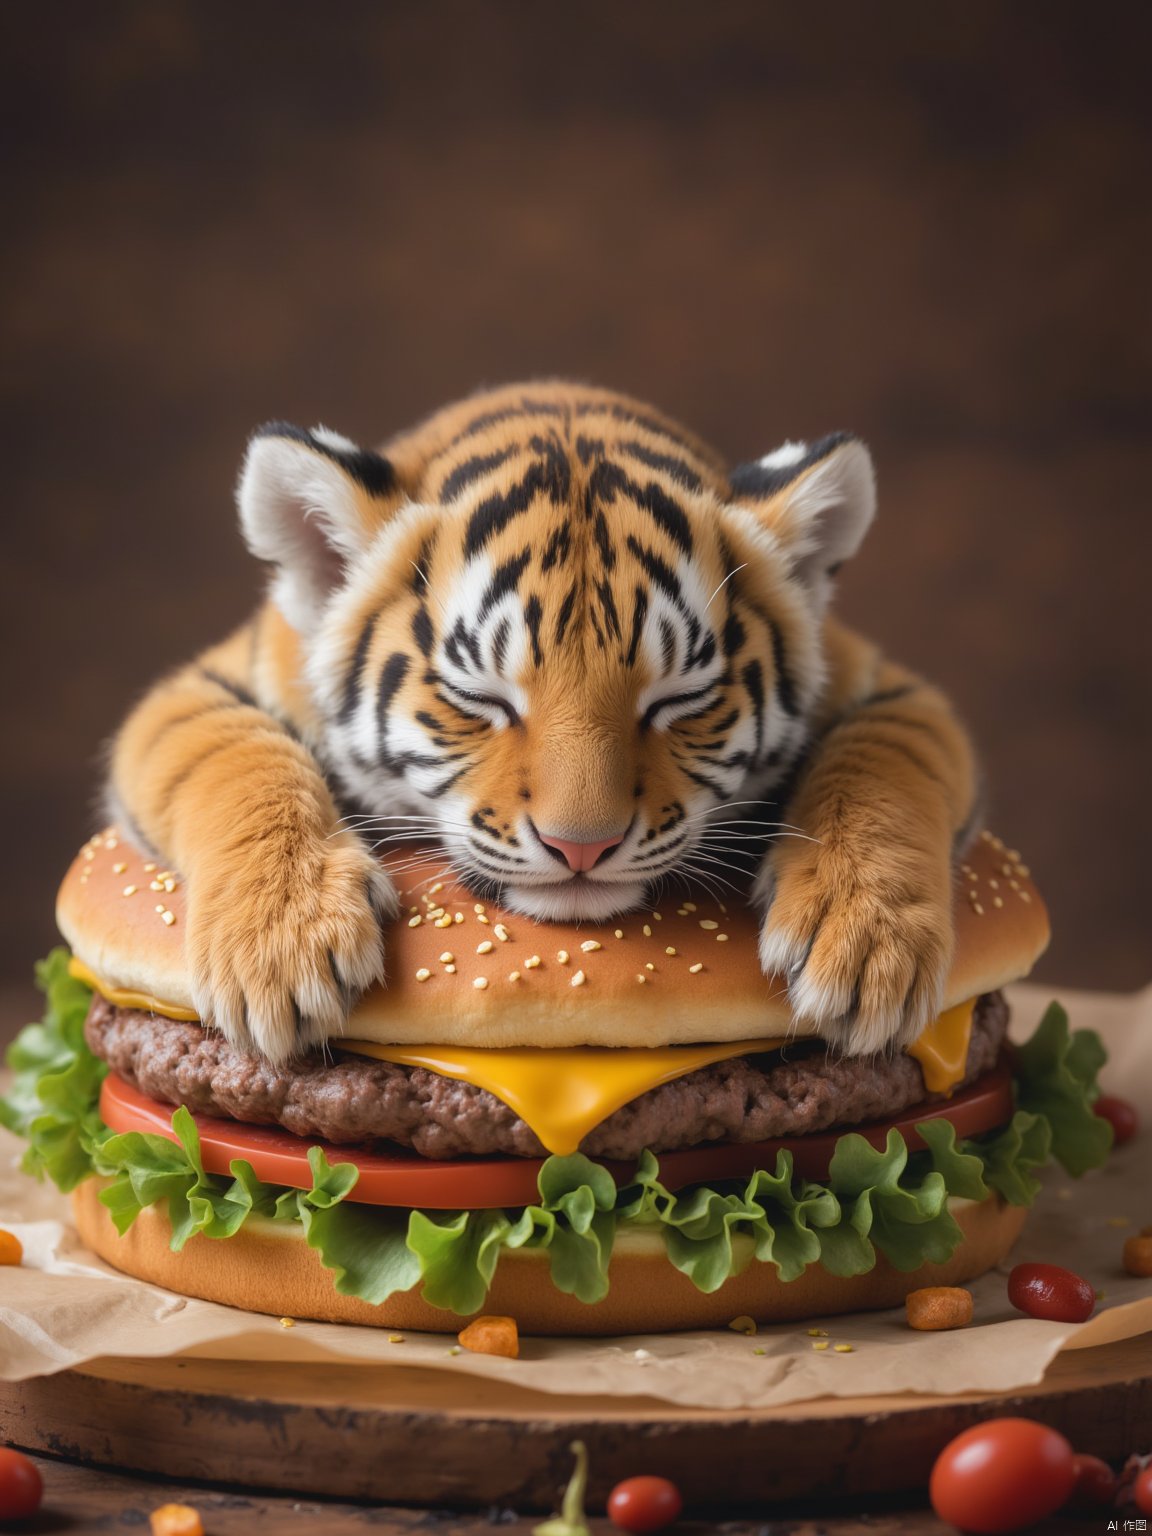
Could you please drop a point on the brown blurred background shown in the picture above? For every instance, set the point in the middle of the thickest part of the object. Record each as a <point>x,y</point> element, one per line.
<point>929,224</point>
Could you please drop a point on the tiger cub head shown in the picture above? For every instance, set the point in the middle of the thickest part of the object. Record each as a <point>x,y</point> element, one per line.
<point>549,631</point>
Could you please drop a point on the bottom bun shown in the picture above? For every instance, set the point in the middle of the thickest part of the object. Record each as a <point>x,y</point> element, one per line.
<point>269,1267</point>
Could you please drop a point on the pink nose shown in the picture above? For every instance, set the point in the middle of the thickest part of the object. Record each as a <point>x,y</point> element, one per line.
<point>579,856</point>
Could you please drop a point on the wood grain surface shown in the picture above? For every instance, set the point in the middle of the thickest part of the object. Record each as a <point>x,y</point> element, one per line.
<point>419,1437</point>
<point>774,220</point>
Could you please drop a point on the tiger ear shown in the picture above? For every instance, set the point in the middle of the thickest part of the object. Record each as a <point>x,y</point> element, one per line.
<point>818,499</point>
<point>309,503</point>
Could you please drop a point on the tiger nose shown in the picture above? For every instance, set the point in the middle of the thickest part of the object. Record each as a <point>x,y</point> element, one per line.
<point>578,856</point>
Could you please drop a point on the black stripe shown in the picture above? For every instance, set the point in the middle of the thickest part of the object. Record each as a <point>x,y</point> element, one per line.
<point>658,569</point>
<point>888,695</point>
<point>186,772</point>
<point>370,471</point>
<point>670,463</point>
<point>237,690</point>
<point>608,603</point>
<point>548,476</point>
<point>472,469</point>
<point>609,480</point>
<point>604,542</point>
<point>500,638</point>
<point>355,678</point>
<point>639,614</point>
<point>392,676</point>
<point>646,423</point>
<point>734,634</point>
<point>170,725</point>
<point>753,679</point>
<point>422,631</point>
<point>563,618</point>
<point>533,613</point>
<point>504,579</point>
<point>556,550</point>
<point>785,684</point>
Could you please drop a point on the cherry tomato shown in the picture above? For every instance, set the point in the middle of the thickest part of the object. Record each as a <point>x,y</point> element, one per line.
<point>21,1486</point>
<point>1142,1491</point>
<point>1095,1482</point>
<point>644,1504</point>
<point>1046,1290</point>
<point>1124,1118</point>
<point>1002,1476</point>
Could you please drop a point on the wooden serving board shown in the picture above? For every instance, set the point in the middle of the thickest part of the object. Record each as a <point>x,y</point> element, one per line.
<point>410,1436</point>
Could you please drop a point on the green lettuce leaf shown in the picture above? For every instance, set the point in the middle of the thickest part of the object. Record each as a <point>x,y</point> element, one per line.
<point>1056,1077</point>
<point>874,1200</point>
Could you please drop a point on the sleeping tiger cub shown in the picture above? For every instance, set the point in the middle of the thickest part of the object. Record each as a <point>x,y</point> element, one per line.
<point>549,628</point>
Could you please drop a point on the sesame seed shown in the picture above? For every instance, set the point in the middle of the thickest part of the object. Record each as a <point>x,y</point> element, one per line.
<point>413,909</point>
<point>423,973</point>
<point>997,901</point>
<point>444,922</point>
<point>396,1338</point>
<point>994,885</point>
<point>287,1322</point>
<point>972,875</point>
<point>480,983</point>
<point>456,1349</point>
<point>590,945</point>
<point>480,918</point>
<point>479,907</point>
<point>670,949</point>
<point>450,970</point>
<point>501,933</point>
<point>414,922</point>
<point>159,907</point>
<point>1005,869</point>
<point>681,911</point>
<point>709,923</point>
<point>111,842</point>
<point>689,906</point>
<point>1023,895</point>
<point>978,909</point>
<point>820,1344</point>
<point>562,956</point>
<point>513,975</point>
<point>1014,855</point>
<point>1023,871</point>
<point>130,890</point>
<point>699,966</point>
<point>619,932</point>
<point>817,1333</point>
<point>641,978</point>
<point>659,916</point>
<point>486,948</point>
<point>89,855</point>
<point>156,885</point>
<point>1014,885</point>
<point>170,885</point>
<point>435,911</point>
<point>648,966</point>
<point>118,869</point>
<point>447,957</point>
<point>458,917</point>
<point>647,930</point>
<point>434,890</point>
<point>579,979</point>
<point>843,1349</point>
<point>148,868</point>
<point>168,918</point>
<point>532,962</point>
<point>721,938</point>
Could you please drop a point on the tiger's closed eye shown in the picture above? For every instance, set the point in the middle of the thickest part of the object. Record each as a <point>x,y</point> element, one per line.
<point>674,706</point>
<point>486,701</point>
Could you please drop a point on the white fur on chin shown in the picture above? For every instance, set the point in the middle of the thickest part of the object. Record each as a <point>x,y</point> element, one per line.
<point>569,900</point>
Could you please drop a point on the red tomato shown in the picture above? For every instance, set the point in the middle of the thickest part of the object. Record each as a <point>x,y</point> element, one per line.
<point>1124,1118</point>
<point>644,1504</point>
<point>1046,1290</point>
<point>1095,1482</point>
<point>1142,1491</point>
<point>21,1486</point>
<point>400,1177</point>
<point>1002,1476</point>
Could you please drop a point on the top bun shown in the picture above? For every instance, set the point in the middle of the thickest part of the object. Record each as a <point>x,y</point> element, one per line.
<point>683,972</point>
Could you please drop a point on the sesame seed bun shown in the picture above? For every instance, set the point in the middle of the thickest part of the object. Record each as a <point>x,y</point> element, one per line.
<point>514,982</point>
<point>269,1267</point>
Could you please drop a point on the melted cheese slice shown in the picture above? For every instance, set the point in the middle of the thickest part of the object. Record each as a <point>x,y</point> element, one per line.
<point>564,1094</point>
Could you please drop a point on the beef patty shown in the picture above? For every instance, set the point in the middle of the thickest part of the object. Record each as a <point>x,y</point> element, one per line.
<point>357,1099</point>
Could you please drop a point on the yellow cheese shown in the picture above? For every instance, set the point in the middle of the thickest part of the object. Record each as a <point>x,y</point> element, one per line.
<point>123,997</point>
<point>562,1094</point>
<point>942,1050</point>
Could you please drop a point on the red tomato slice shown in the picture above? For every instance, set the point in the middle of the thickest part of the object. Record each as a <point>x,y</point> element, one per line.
<point>401,1177</point>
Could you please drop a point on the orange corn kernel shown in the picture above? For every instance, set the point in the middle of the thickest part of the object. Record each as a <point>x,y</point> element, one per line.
<point>11,1248</point>
<point>492,1336</point>
<point>176,1520</point>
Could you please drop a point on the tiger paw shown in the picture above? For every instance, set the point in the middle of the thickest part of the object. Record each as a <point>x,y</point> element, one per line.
<point>863,949</point>
<point>280,953</point>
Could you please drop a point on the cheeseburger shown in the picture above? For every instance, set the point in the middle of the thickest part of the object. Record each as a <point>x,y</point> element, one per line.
<point>593,1129</point>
